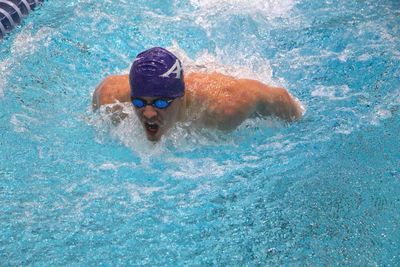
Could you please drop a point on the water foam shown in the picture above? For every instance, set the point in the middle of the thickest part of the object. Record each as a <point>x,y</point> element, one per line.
<point>332,92</point>
<point>5,69</point>
<point>385,110</point>
<point>271,8</point>
<point>24,44</point>
<point>21,122</point>
<point>115,165</point>
<point>129,132</point>
<point>253,67</point>
<point>186,136</point>
<point>137,192</point>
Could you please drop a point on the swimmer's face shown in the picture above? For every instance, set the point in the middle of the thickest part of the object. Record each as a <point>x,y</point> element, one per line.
<point>157,121</point>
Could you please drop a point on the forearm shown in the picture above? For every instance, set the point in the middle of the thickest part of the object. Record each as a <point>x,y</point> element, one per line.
<point>278,102</point>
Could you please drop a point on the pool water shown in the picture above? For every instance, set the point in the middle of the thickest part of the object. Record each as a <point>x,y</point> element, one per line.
<point>75,190</point>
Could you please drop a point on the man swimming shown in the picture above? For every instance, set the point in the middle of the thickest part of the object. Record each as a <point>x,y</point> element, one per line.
<point>162,96</point>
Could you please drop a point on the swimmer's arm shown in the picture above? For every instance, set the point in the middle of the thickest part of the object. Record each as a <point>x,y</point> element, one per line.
<point>274,101</point>
<point>112,90</point>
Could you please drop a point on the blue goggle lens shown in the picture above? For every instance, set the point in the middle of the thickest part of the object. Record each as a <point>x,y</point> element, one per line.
<point>161,103</point>
<point>139,103</point>
<point>157,103</point>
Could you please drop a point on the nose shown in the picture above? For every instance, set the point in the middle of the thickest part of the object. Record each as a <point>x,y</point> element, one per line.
<point>149,112</point>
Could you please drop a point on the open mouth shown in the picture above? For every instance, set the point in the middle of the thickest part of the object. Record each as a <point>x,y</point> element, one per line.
<point>151,127</point>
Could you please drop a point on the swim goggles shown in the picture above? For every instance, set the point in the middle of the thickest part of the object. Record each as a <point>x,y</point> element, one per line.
<point>159,103</point>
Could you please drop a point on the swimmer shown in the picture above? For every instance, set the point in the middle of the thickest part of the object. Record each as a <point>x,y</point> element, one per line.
<point>162,96</point>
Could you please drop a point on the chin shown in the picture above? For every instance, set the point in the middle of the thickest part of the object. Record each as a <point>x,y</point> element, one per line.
<point>153,138</point>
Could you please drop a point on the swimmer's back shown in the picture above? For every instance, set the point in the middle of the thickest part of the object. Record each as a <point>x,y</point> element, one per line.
<point>214,99</point>
<point>219,100</point>
<point>223,101</point>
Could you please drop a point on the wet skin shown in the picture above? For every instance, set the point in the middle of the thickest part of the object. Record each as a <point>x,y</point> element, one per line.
<point>211,100</point>
<point>156,121</point>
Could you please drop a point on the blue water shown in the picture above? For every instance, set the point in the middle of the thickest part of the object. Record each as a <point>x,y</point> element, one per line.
<point>322,191</point>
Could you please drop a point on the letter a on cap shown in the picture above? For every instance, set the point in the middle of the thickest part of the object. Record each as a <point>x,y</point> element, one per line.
<point>176,68</point>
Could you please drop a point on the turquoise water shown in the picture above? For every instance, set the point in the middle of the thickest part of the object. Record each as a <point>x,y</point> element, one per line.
<point>322,191</point>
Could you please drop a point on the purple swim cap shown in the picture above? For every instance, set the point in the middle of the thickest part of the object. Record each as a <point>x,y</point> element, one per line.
<point>156,73</point>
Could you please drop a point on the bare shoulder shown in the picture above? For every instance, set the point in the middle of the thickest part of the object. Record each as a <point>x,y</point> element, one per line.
<point>217,81</point>
<point>219,100</point>
<point>206,85</point>
<point>218,87</point>
<point>112,88</point>
<point>226,101</point>
<point>213,79</point>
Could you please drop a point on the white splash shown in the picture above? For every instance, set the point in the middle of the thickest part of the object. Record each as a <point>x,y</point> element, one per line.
<point>128,131</point>
<point>194,169</point>
<point>5,69</point>
<point>209,14</point>
<point>254,67</point>
<point>344,55</point>
<point>364,57</point>
<point>183,136</point>
<point>332,92</point>
<point>21,122</point>
<point>137,192</point>
<point>385,109</point>
<point>25,44</point>
<point>271,8</point>
<point>115,165</point>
